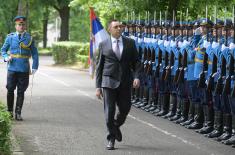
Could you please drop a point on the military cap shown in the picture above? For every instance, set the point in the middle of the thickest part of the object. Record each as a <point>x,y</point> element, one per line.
<point>166,23</point>
<point>206,22</point>
<point>196,23</point>
<point>175,24</point>
<point>147,24</point>
<point>219,23</point>
<point>140,23</point>
<point>190,23</point>
<point>228,23</point>
<point>157,23</point>
<point>20,19</point>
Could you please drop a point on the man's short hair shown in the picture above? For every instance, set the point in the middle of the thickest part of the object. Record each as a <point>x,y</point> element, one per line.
<point>110,22</point>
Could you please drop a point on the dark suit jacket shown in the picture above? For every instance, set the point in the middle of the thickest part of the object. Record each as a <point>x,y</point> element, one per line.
<point>110,71</point>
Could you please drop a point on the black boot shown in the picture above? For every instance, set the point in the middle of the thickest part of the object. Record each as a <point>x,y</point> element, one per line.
<point>10,103</point>
<point>198,118</point>
<point>140,97</point>
<point>184,112</point>
<point>190,115</point>
<point>172,108</point>
<point>178,110</point>
<point>209,120</point>
<point>227,130</point>
<point>165,107</point>
<point>159,104</point>
<point>154,104</point>
<point>231,140</point>
<point>218,126</point>
<point>150,101</point>
<point>145,98</point>
<point>19,105</point>
<point>149,104</point>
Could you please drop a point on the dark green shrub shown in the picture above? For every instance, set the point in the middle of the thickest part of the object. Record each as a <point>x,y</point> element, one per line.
<point>5,129</point>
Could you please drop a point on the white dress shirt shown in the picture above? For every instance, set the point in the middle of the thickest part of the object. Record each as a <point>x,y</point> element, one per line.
<point>120,44</point>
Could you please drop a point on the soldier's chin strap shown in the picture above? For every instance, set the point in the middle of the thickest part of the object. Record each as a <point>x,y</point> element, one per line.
<point>31,90</point>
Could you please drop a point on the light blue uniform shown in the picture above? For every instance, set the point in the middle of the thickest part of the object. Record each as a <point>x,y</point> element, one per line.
<point>20,60</point>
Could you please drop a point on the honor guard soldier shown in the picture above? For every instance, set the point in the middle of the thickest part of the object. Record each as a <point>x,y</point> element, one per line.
<point>208,109</point>
<point>189,47</point>
<point>219,97</point>
<point>200,72</point>
<point>16,51</point>
<point>231,140</point>
<point>172,66</point>
<point>227,117</point>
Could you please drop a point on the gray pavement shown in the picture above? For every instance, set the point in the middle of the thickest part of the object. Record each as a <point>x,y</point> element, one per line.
<point>65,118</point>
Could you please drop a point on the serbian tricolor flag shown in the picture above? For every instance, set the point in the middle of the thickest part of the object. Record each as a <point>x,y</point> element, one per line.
<point>98,34</point>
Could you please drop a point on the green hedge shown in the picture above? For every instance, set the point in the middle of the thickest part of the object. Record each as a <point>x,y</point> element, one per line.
<point>70,52</point>
<point>45,51</point>
<point>5,129</point>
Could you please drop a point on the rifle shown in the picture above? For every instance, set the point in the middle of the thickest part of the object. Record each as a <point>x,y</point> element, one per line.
<point>210,85</point>
<point>219,85</point>
<point>179,76</point>
<point>202,76</point>
<point>172,55</point>
<point>149,62</point>
<point>227,85</point>
<point>145,60</point>
<point>166,56</point>
<point>157,72</point>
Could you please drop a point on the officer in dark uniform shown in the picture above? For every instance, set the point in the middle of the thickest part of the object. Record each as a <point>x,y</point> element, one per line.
<point>16,51</point>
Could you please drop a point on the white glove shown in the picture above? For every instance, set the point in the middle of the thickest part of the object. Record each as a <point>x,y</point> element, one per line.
<point>214,44</point>
<point>185,43</point>
<point>231,46</point>
<point>173,43</point>
<point>166,43</point>
<point>160,42</point>
<point>206,44</point>
<point>34,71</point>
<point>223,47</point>
<point>140,40</point>
<point>8,59</point>
<point>198,31</point>
<point>180,44</point>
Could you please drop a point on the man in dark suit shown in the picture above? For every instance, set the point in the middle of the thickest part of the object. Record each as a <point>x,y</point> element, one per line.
<point>117,70</point>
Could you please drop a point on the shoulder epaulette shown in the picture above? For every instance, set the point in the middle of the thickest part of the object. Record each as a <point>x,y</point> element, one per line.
<point>10,34</point>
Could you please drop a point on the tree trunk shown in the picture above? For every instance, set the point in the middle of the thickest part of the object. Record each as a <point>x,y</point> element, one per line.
<point>20,7</point>
<point>45,22</point>
<point>64,27</point>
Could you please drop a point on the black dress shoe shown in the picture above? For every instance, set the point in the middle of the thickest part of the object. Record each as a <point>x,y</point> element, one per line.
<point>110,145</point>
<point>118,135</point>
<point>215,133</point>
<point>18,117</point>
<point>230,141</point>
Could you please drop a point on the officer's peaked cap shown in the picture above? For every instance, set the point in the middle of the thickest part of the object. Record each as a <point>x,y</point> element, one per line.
<point>20,19</point>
